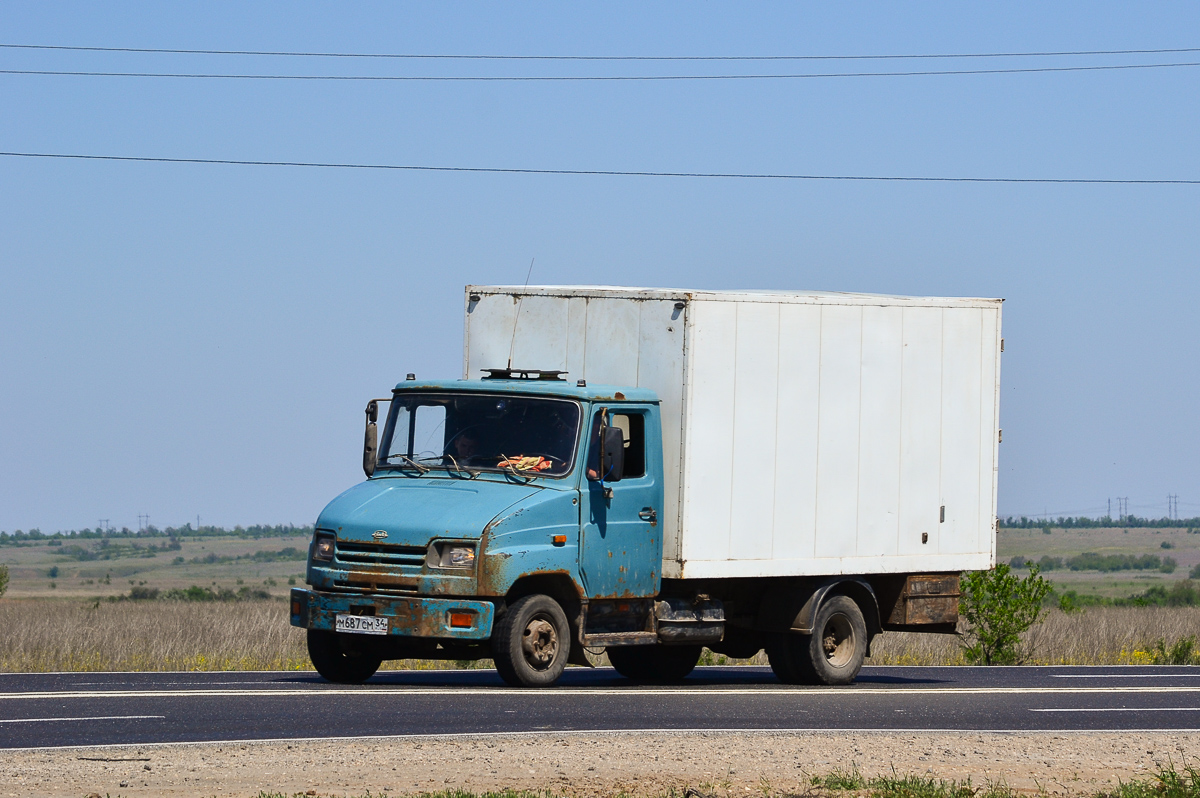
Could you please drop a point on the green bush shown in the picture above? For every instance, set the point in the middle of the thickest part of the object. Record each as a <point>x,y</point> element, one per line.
<point>1181,652</point>
<point>999,607</point>
<point>3,579</point>
<point>1091,561</point>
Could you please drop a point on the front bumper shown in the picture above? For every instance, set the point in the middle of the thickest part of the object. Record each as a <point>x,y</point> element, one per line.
<point>407,617</point>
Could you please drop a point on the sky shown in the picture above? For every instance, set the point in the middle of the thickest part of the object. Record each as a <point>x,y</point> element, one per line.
<point>190,340</point>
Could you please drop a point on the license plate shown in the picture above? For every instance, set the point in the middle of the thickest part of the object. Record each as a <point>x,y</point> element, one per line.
<point>361,624</point>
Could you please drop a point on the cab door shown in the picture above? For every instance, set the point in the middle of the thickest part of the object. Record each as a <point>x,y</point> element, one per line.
<point>621,535</point>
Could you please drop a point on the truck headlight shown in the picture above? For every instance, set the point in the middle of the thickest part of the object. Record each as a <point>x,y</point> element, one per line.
<point>451,555</point>
<point>323,546</point>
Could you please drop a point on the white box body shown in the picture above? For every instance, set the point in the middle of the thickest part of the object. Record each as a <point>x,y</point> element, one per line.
<point>804,434</point>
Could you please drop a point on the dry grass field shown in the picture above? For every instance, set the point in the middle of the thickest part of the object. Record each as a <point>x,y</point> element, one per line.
<point>70,635</point>
<point>32,573</point>
<point>40,570</point>
<point>61,619</point>
<point>1032,544</point>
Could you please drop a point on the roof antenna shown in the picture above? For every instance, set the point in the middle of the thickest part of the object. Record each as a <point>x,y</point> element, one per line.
<point>520,299</point>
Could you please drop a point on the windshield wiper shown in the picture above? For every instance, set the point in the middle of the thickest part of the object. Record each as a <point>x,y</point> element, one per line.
<point>410,461</point>
<point>457,467</point>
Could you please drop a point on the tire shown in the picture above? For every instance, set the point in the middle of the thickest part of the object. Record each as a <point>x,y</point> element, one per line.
<point>531,642</point>
<point>339,662</point>
<point>788,654</point>
<point>832,654</point>
<point>654,664</point>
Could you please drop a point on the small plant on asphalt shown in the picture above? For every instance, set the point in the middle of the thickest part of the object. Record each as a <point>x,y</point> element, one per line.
<point>999,607</point>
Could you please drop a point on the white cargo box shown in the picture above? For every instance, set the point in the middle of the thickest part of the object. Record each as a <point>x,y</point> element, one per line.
<point>804,433</point>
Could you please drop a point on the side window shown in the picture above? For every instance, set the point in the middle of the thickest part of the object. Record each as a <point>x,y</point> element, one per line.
<point>633,429</point>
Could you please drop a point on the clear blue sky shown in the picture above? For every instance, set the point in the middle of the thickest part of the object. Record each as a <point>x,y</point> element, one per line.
<point>187,339</point>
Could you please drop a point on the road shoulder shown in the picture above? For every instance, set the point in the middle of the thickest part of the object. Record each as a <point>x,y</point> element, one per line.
<point>637,764</point>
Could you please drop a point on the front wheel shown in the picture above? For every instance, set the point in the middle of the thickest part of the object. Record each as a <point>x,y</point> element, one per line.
<point>655,664</point>
<point>531,642</point>
<point>339,662</point>
<point>832,654</point>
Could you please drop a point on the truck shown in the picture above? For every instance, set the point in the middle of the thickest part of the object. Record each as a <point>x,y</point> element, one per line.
<point>649,472</point>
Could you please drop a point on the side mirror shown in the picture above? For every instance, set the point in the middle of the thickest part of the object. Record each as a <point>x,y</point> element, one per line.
<point>612,454</point>
<point>371,439</point>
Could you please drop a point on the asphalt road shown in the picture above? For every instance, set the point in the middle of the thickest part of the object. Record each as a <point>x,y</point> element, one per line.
<point>72,709</point>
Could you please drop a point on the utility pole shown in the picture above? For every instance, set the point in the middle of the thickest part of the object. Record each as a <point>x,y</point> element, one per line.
<point>197,522</point>
<point>143,521</point>
<point>1173,506</point>
<point>103,522</point>
<point>1109,509</point>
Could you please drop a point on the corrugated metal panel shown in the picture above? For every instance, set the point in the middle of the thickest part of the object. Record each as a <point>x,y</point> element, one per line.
<point>708,432</point>
<point>962,407</point>
<point>920,431</point>
<point>794,519</point>
<point>755,431</point>
<point>879,431</point>
<point>837,436</point>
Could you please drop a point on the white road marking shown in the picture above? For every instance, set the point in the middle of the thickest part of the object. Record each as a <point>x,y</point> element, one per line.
<point>1126,675</point>
<point>821,731</point>
<point>96,717</point>
<point>682,692</point>
<point>1122,709</point>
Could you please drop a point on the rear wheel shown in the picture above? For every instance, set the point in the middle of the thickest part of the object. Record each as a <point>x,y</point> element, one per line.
<point>654,664</point>
<point>338,660</point>
<point>531,642</point>
<point>832,654</point>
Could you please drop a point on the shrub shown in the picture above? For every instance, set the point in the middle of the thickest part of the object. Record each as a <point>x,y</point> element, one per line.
<point>1194,573</point>
<point>1183,593</point>
<point>3,579</point>
<point>1092,561</point>
<point>1166,544</point>
<point>1182,652</point>
<point>999,607</point>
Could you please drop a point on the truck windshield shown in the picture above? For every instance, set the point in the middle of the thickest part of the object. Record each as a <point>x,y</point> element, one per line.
<point>471,432</point>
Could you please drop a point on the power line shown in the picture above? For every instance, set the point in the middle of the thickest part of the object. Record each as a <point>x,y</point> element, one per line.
<point>556,78</point>
<point>596,172</point>
<point>465,57</point>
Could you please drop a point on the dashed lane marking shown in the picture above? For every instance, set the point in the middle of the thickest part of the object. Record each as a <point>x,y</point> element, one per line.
<point>684,692</point>
<point>1120,709</point>
<point>95,717</point>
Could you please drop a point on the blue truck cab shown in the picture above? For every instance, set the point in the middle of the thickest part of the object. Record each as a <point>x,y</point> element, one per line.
<point>513,517</point>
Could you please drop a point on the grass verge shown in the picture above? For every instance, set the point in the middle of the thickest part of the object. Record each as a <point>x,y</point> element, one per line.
<point>1168,782</point>
<point>40,635</point>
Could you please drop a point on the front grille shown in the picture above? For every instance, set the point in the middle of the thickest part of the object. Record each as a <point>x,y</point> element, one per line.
<point>342,586</point>
<point>354,553</point>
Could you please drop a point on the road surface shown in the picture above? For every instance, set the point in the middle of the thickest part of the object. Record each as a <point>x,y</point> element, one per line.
<point>72,709</point>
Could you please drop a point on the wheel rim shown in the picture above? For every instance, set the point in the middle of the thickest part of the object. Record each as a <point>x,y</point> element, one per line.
<point>539,643</point>
<point>837,641</point>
